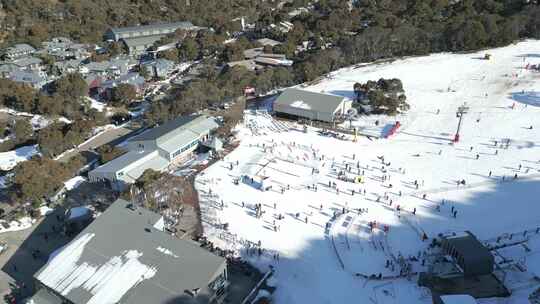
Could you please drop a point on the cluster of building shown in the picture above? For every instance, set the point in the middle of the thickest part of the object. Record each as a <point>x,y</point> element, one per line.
<point>25,64</point>
<point>256,58</point>
<point>125,256</point>
<point>138,39</point>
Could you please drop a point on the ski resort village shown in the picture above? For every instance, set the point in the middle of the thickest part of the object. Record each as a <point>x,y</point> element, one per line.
<point>404,181</point>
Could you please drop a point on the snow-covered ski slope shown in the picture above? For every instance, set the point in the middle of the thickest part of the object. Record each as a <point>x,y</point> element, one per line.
<point>324,260</point>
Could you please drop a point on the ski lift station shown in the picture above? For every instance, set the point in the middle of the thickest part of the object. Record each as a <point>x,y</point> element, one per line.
<point>298,103</point>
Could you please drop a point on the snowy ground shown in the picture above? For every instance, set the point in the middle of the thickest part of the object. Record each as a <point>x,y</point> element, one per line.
<point>323,254</point>
<point>74,182</point>
<point>8,160</point>
<point>94,104</point>
<point>16,225</point>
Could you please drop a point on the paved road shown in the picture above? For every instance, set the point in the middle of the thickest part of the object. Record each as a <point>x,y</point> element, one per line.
<point>112,136</point>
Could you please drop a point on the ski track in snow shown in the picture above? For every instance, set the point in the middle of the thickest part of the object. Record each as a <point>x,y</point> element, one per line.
<point>280,155</point>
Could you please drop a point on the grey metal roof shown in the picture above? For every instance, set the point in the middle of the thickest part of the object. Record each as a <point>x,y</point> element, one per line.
<point>178,141</point>
<point>199,125</point>
<point>103,263</point>
<point>307,100</point>
<point>8,67</point>
<point>122,161</point>
<point>157,26</point>
<point>33,78</point>
<point>145,41</point>
<point>73,63</point>
<point>21,47</point>
<point>133,79</point>
<point>120,64</point>
<point>163,64</point>
<point>156,163</point>
<point>202,125</point>
<point>267,41</point>
<point>43,297</point>
<point>26,61</point>
<point>166,128</point>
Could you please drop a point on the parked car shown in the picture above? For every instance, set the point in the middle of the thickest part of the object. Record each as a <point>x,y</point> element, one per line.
<point>120,118</point>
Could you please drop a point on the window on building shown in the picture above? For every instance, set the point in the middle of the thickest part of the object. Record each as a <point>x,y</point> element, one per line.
<point>185,148</point>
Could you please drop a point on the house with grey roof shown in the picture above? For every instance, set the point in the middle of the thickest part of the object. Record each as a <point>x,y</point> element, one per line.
<point>267,41</point>
<point>67,66</point>
<point>134,79</point>
<point>259,57</point>
<point>116,34</point>
<point>156,149</point>
<point>249,64</point>
<point>7,68</point>
<point>138,45</point>
<point>159,68</point>
<point>311,105</point>
<point>28,63</point>
<point>18,50</point>
<point>35,79</point>
<point>112,68</point>
<point>124,256</point>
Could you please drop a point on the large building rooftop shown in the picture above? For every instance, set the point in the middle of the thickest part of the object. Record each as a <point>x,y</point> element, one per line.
<point>157,26</point>
<point>308,100</point>
<point>171,128</point>
<point>124,257</point>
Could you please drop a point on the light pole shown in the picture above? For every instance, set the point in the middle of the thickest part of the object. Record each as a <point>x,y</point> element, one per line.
<point>460,112</point>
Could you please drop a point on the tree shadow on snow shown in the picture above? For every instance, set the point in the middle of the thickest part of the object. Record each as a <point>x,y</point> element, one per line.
<point>529,56</point>
<point>531,98</point>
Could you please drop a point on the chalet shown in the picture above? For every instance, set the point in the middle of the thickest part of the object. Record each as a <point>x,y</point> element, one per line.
<point>18,50</point>
<point>32,78</point>
<point>159,68</point>
<point>134,79</point>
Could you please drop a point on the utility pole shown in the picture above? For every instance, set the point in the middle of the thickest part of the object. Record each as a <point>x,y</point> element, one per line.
<point>460,112</point>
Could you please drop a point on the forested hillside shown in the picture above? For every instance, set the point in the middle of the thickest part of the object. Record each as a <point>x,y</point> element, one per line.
<point>340,33</point>
<point>86,20</point>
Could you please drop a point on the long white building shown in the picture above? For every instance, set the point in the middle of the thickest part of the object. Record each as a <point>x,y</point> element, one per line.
<point>155,149</point>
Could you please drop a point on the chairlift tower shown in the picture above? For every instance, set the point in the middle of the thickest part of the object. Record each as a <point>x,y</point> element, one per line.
<point>462,110</point>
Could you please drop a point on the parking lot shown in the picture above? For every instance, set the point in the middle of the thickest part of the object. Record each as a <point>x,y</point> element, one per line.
<point>28,250</point>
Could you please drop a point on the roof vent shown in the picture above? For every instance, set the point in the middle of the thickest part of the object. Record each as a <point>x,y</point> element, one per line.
<point>131,206</point>
<point>147,229</point>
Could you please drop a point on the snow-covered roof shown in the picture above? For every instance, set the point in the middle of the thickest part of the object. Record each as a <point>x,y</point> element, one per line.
<point>267,41</point>
<point>122,258</point>
<point>308,100</point>
<point>20,48</point>
<point>27,61</point>
<point>133,79</point>
<point>8,160</point>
